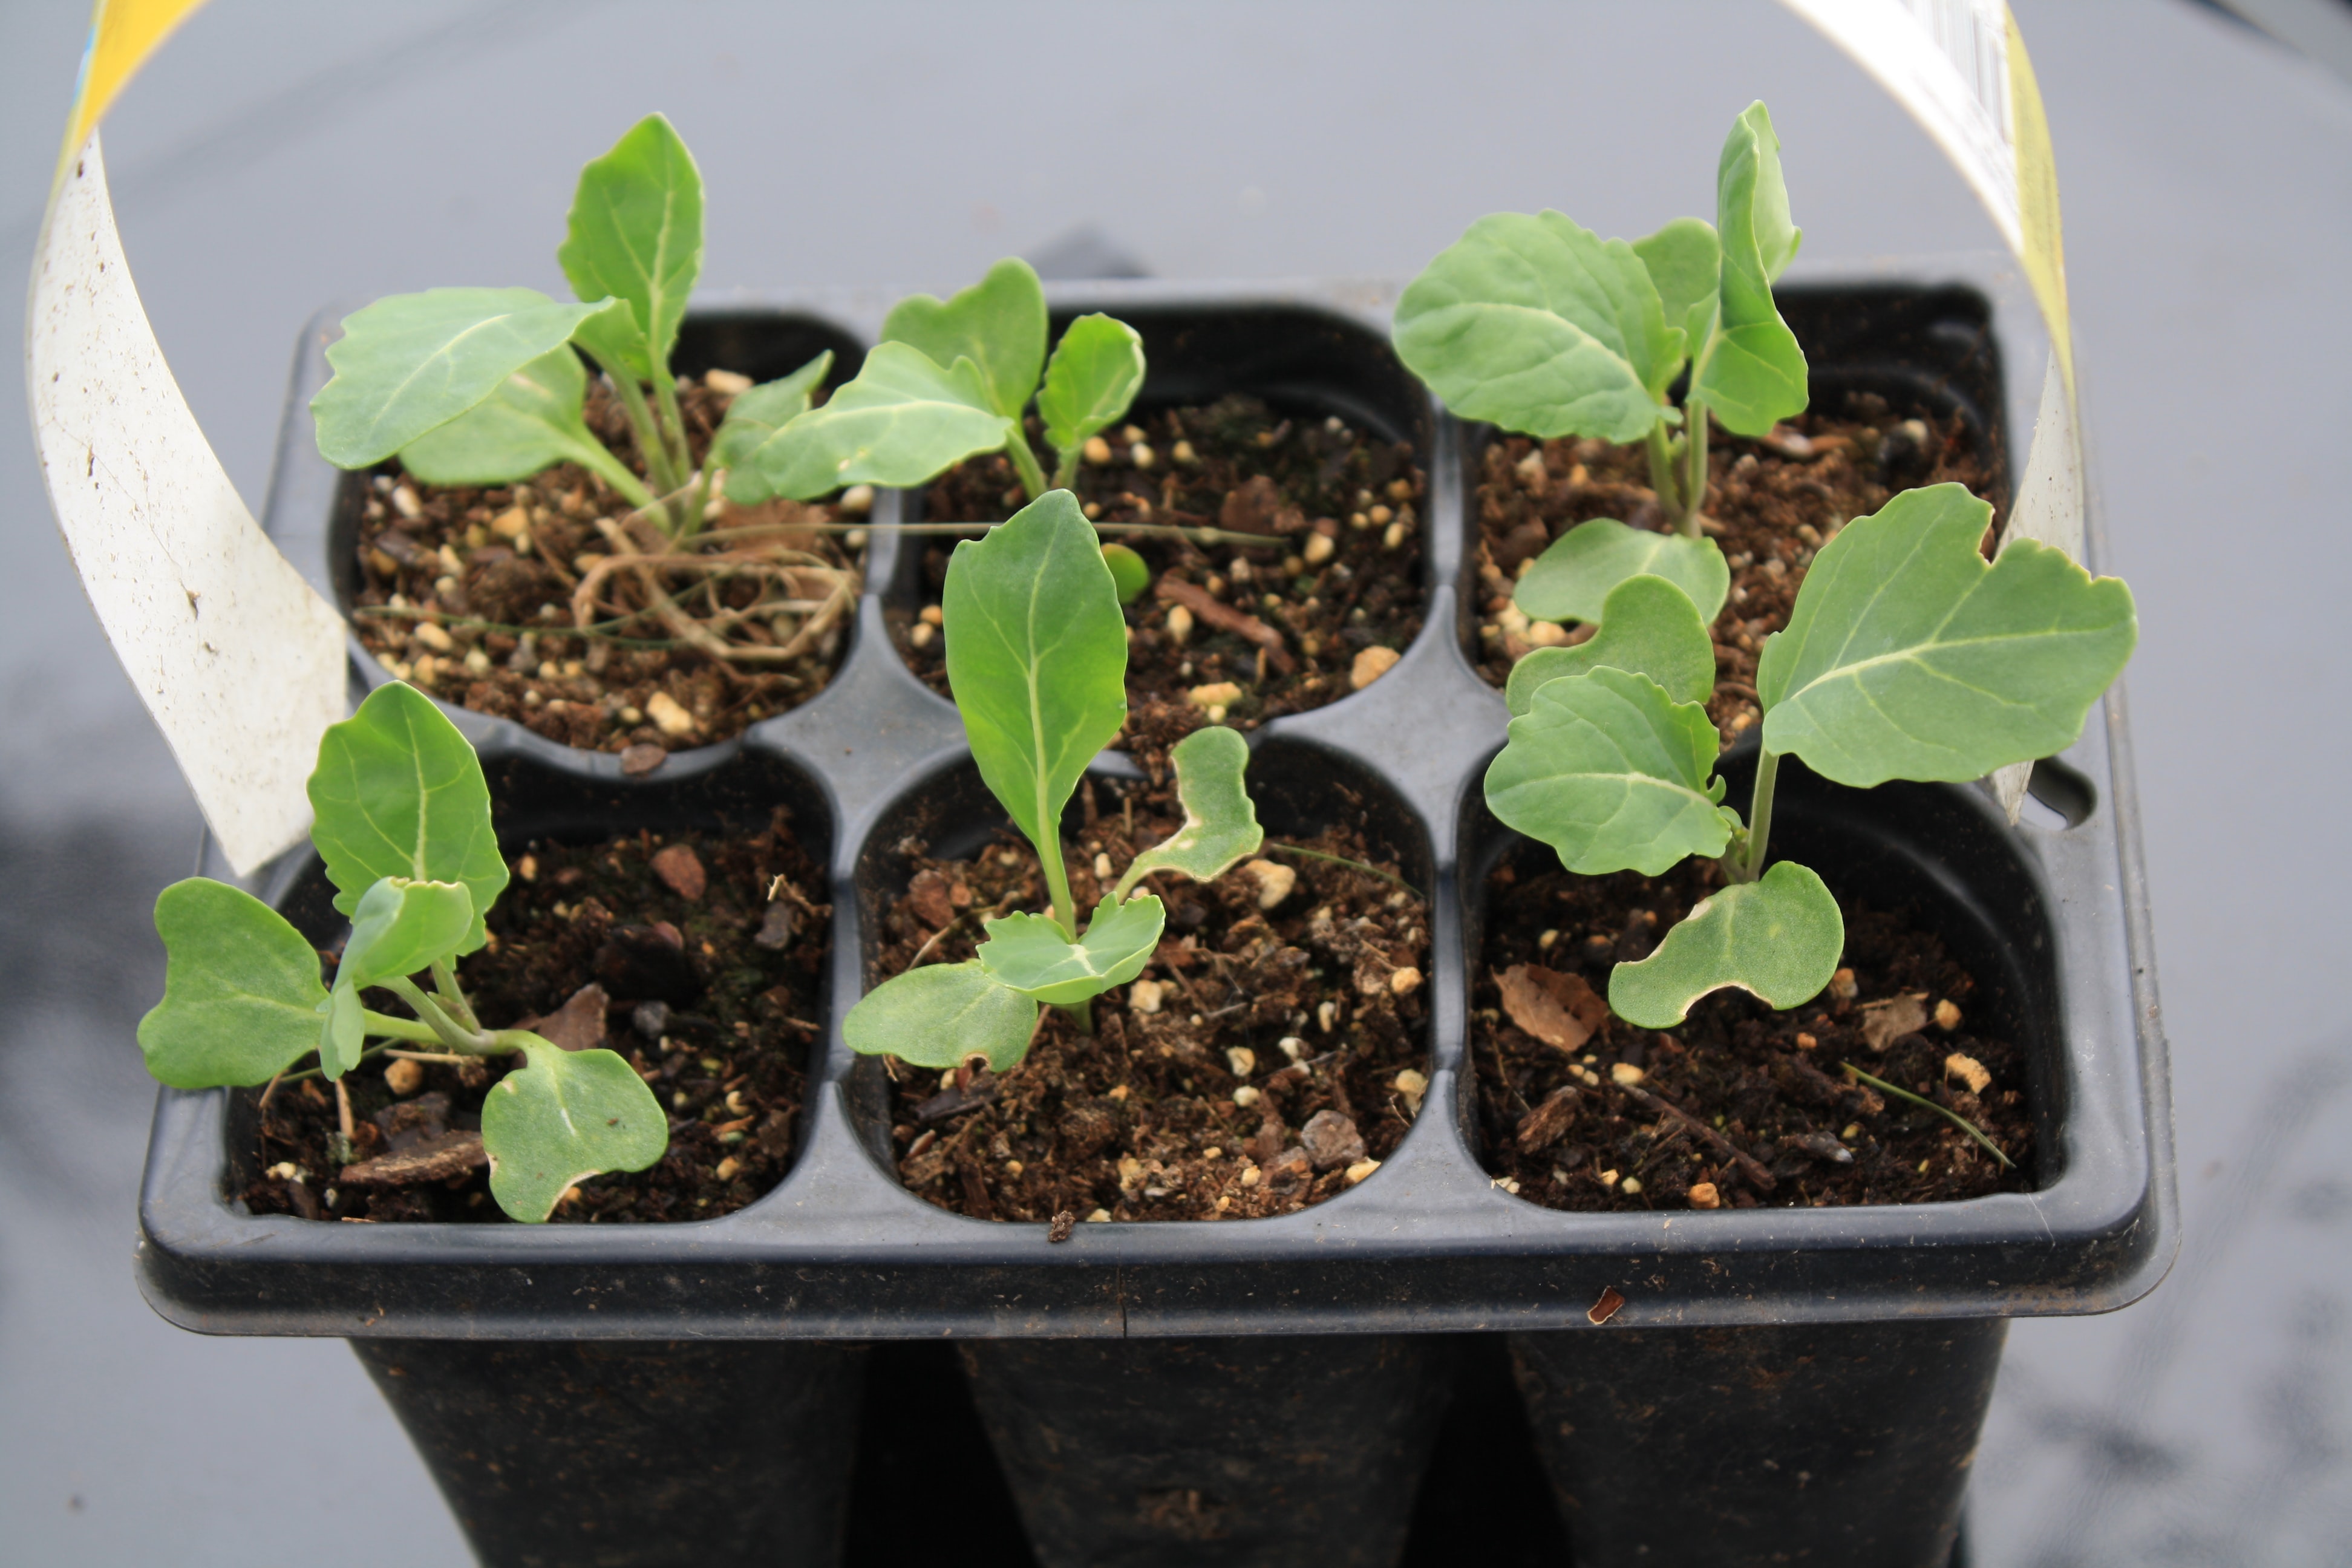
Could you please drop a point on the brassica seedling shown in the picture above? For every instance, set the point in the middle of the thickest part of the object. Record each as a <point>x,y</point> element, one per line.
<point>483,386</point>
<point>1036,655</point>
<point>404,829</point>
<point>949,380</point>
<point>1539,326</point>
<point>1906,655</point>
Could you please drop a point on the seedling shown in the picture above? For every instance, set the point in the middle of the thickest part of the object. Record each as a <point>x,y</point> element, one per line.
<point>483,386</point>
<point>1037,654</point>
<point>403,828</point>
<point>950,380</point>
<point>1907,655</point>
<point>1541,327</point>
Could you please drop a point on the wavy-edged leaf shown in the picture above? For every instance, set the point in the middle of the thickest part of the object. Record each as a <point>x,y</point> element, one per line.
<point>410,363</point>
<point>1777,937</point>
<point>1221,827</point>
<point>398,793</point>
<point>529,422</point>
<point>1751,370</point>
<point>1649,627</point>
<point>400,926</point>
<point>902,420</point>
<point>634,234</point>
<point>1613,773</point>
<point>754,419</point>
<point>1539,326</point>
<point>1573,579</point>
<point>241,990</point>
<point>1036,655</point>
<point>1684,259</point>
<point>1097,369</point>
<point>1908,655</point>
<point>563,1117</point>
<point>938,1016</point>
<point>998,323</point>
<point>1029,953</point>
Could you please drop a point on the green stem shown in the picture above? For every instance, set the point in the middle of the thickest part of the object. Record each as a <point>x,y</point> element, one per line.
<point>1954,1117</point>
<point>681,459</point>
<point>1662,471</point>
<point>455,1035</point>
<point>597,457</point>
<point>1747,864</point>
<point>399,1028</point>
<point>659,472</point>
<point>1695,470</point>
<point>1057,884</point>
<point>1351,865</point>
<point>1065,470</point>
<point>1024,462</point>
<point>1082,1013</point>
<point>452,996</point>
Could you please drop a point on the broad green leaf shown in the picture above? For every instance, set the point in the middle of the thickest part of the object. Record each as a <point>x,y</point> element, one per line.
<point>529,422</point>
<point>1650,627</point>
<point>902,420</point>
<point>1029,953</point>
<point>635,233</point>
<point>1220,820</point>
<point>1779,937</point>
<point>398,793</point>
<point>1573,579</point>
<point>564,1117</point>
<point>1539,326</point>
<point>1907,655</point>
<point>241,990</point>
<point>1128,573</point>
<point>1751,372</point>
<point>1096,368</point>
<point>1613,773</point>
<point>1036,653</point>
<point>938,1016</point>
<point>1682,259</point>
<point>754,419</point>
<point>998,323</point>
<point>412,361</point>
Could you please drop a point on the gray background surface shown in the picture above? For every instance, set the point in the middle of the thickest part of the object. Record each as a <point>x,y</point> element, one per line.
<point>282,153</point>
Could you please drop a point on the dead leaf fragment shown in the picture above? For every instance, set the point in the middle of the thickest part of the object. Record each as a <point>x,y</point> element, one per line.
<point>1885,1022</point>
<point>1561,1010</point>
<point>1603,1309</point>
<point>577,1025</point>
<point>681,868</point>
<point>1541,1128</point>
<point>433,1160</point>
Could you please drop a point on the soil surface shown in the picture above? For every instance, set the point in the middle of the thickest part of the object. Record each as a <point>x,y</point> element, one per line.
<point>1770,1119</point>
<point>491,573</point>
<point>1319,610</point>
<point>1770,504</point>
<point>718,1022</point>
<point>1267,1058</point>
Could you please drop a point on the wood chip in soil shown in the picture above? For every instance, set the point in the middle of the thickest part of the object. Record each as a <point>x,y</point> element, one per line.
<point>1772,502</point>
<point>1769,1118</point>
<point>501,643</point>
<point>1326,616</point>
<point>706,996</point>
<point>1139,1121</point>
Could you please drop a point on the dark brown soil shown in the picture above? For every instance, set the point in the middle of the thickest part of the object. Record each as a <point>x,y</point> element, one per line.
<point>1233,464</point>
<point>719,1025</point>
<point>1770,503</point>
<point>503,614</point>
<point>1139,1121</point>
<point>1770,1083</point>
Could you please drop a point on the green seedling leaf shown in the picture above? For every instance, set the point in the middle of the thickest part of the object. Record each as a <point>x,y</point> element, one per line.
<point>1096,371</point>
<point>1029,953</point>
<point>1682,259</point>
<point>241,990</point>
<point>564,1117</point>
<point>747,436</point>
<point>1779,938</point>
<point>902,420</point>
<point>1573,579</point>
<point>1036,654</point>
<point>1751,371</point>
<point>1129,575</point>
<point>1539,326</point>
<point>412,361</point>
<point>1908,655</point>
<point>998,323</point>
<point>1220,827</point>
<point>529,422</point>
<point>634,234</point>
<point>1648,626</point>
<point>1613,773</point>
<point>938,1016</point>
<point>400,927</point>
<point>398,793</point>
